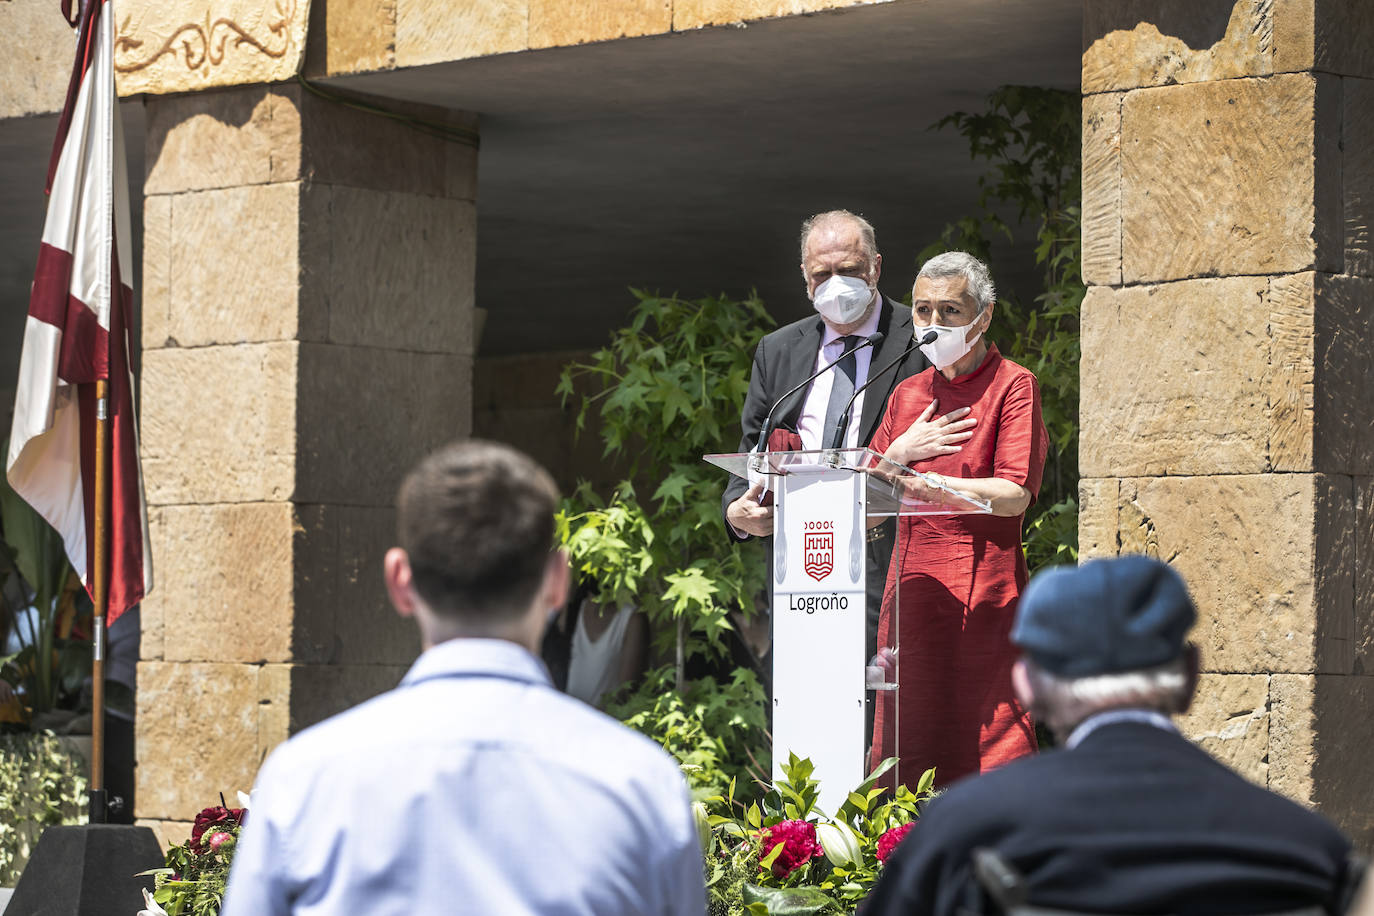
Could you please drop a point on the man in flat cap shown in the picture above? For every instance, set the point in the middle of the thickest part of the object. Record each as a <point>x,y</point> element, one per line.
<point>1128,816</point>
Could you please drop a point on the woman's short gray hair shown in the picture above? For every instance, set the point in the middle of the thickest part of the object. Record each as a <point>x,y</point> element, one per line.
<point>962,264</point>
<point>1068,701</point>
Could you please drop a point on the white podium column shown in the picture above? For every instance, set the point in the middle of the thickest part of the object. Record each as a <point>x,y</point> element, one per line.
<point>819,545</point>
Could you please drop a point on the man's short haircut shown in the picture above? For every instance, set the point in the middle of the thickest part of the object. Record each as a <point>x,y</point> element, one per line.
<point>1070,700</point>
<point>866,233</point>
<point>476,519</point>
<point>962,264</point>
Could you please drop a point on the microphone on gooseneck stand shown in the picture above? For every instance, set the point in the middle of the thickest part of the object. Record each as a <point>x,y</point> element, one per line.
<point>762,444</point>
<point>843,422</point>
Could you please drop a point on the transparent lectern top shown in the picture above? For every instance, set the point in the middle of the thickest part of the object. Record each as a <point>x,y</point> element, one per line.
<point>886,493</point>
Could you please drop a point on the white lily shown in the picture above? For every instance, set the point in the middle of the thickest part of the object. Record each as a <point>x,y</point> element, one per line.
<point>151,907</point>
<point>244,798</point>
<point>840,844</point>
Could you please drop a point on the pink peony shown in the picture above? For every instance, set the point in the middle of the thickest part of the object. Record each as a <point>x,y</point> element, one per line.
<point>888,841</point>
<point>219,839</point>
<point>217,818</point>
<point>799,845</point>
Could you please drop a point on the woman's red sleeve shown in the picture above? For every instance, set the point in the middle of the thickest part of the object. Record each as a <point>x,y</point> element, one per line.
<point>882,438</point>
<point>1022,442</point>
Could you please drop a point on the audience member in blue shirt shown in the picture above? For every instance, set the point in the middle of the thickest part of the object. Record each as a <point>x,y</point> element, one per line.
<point>474,786</point>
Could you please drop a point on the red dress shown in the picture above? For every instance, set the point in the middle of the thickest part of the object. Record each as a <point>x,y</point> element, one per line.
<point>960,577</point>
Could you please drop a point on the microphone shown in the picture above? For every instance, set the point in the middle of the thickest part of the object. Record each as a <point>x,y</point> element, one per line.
<point>843,422</point>
<point>767,427</point>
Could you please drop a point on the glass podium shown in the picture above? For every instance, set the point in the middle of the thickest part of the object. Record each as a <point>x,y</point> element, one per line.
<point>823,671</point>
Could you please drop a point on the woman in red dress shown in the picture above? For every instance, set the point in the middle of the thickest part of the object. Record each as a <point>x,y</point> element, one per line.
<point>959,575</point>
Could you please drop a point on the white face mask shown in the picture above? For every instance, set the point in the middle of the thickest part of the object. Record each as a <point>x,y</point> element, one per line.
<point>952,345</point>
<point>843,300</point>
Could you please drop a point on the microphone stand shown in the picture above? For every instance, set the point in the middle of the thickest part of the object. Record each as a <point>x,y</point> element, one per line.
<point>767,427</point>
<point>843,422</point>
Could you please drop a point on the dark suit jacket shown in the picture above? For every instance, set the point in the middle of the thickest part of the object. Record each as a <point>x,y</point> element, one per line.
<point>1135,819</point>
<point>787,356</point>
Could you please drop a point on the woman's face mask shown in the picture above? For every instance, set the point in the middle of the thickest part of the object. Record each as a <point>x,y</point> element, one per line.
<point>952,344</point>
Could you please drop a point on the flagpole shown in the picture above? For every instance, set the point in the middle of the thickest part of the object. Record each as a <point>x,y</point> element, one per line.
<point>100,581</point>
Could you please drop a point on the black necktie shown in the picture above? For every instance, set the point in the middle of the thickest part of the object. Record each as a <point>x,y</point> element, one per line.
<point>841,390</point>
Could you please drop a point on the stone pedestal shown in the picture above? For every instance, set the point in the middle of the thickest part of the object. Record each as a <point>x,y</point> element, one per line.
<point>1228,388</point>
<point>307,336</point>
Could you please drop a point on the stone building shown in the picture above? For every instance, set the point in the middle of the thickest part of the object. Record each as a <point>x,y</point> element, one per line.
<point>328,290</point>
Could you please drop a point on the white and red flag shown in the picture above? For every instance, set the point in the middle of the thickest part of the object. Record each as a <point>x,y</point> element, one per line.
<point>77,333</point>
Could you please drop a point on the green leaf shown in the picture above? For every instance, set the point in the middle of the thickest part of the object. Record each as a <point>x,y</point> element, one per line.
<point>672,488</point>
<point>676,402</point>
<point>788,901</point>
<point>688,587</point>
<point>766,862</point>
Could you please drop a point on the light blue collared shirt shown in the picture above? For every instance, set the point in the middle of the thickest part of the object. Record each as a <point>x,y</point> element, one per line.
<point>473,787</point>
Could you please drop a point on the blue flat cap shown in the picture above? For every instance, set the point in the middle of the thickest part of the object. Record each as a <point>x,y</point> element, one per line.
<point>1118,614</point>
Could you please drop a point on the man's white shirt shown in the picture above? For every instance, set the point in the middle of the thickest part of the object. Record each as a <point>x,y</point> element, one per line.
<point>473,787</point>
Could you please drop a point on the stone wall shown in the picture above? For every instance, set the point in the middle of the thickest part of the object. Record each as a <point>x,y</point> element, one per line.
<point>174,46</point>
<point>360,35</point>
<point>308,298</point>
<point>514,401</point>
<point>36,71</point>
<point>1227,196</point>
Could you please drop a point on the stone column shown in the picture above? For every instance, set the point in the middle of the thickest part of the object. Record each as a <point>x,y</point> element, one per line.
<point>1228,382</point>
<point>307,335</point>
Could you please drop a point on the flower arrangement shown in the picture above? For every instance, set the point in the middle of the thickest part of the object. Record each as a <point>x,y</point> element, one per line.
<point>785,855</point>
<point>779,855</point>
<point>193,880</point>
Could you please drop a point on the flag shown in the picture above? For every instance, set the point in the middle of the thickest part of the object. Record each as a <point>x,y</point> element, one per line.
<point>77,332</point>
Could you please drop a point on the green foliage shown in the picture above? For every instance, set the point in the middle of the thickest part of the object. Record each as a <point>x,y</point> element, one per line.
<point>1051,536</point>
<point>48,670</point>
<point>1032,138</point>
<point>713,729</point>
<point>42,784</point>
<point>740,880</point>
<point>668,390</point>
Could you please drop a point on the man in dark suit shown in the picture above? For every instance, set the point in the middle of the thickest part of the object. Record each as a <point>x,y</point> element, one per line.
<point>841,265</point>
<point>1130,816</point>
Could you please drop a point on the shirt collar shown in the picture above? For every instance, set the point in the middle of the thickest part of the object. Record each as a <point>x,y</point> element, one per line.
<point>1113,716</point>
<point>867,329</point>
<point>477,658</point>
